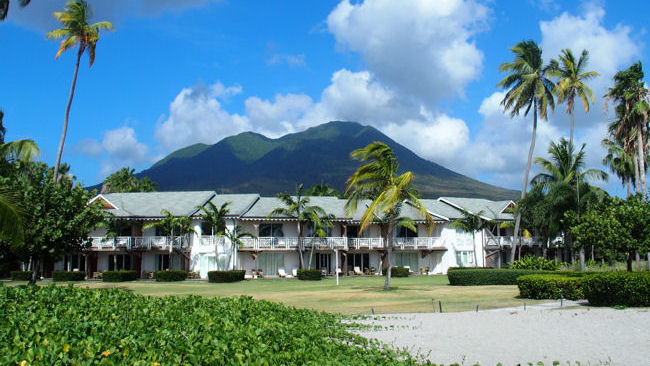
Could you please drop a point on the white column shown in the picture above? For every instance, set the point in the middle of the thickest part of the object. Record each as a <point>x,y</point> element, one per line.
<point>230,226</point>
<point>195,243</point>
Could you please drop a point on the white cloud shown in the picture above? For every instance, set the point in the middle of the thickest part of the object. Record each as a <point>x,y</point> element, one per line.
<point>419,47</point>
<point>89,147</point>
<point>291,60</point>
<point>119,148</point>
<point>278,116</point>
<point>196,115</point>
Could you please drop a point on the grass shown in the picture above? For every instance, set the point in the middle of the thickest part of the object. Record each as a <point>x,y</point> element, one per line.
<point>354,295</point>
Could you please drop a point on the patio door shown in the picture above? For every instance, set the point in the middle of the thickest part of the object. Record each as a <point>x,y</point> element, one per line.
<point>324,262</point>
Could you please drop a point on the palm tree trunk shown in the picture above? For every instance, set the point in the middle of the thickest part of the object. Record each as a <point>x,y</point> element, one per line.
<point>641,148</point>
<point>637,186</point>
<point>301,263</point>
<point>627,185</point>
<point>571,133</point>
<point>525,184</point>
<point>474,246</point>
<point>67,115</point>
<point>389,250</point>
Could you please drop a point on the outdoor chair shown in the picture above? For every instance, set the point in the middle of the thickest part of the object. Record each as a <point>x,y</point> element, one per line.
<point>282,273</point>
<point>294,272</point>
<point>357,271</point>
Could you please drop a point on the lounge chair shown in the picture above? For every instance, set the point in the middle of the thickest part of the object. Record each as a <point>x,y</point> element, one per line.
<point>357,271</point>
<point>294,272</point>
<point>282,273</point>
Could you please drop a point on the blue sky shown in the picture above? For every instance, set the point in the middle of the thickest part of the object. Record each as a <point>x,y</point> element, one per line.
<point>424,72</point>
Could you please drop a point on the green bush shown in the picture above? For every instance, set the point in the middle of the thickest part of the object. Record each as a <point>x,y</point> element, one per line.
<point>533,262</point>
<point>310,274</point>
<point>119,276</point>
<point>21,275</point>
<point>618,288</point>
<point>64,325</point>
<point>226,276</point>
<point>550,286</point>
<point>396,271</point>
<point>487,276</point>
<point>170,276</point>
<point>63,276</point>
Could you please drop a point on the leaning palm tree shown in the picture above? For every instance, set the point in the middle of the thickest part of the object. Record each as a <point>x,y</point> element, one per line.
<point>235,237</point>
<point>572,77</point>
<point>4,7</point>
<point>215,217</point>
<point>471,223</point>
<point>75,32</point>
<point>566,168</point>
<point>528,88</point>
<point>298,207</point>
<point>620,162</point>
<point>378,182</point>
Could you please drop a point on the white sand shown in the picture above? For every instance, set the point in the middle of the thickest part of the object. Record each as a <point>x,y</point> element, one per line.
<point>510,336</point>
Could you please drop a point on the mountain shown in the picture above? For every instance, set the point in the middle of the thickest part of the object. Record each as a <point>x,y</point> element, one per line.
<point>250,162</point>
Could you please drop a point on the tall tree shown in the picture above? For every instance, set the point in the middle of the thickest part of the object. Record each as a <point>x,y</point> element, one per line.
<point>529,88</point>
<point>215,217</point>
<point>632,109</point>
<point>235,237</point>
<point>124,180</point>
<point>471,223</point>
<point>318,226</point>
<point>620,162</point>
<point>564,173</point>
<point>173,227</point>
<point>76,31</point>
<point>298,207</point>
<point>572,75</point>
<point>379,182</point>
<point>322,189</point>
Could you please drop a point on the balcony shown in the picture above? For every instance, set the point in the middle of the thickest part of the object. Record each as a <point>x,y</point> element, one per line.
<point>339,243</point>
<point>137,242</point>
<point>506,241</point>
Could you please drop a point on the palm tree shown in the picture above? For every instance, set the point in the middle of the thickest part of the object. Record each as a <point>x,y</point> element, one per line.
<point>11,218</point>
<point>572,77</point>
<point>4,7</point>
<point>235,237</point>
<point>633,107</point>
<point>378,181</point>
<point>322,189</point>
<point>172,227</point>
<point>528,88</point>
<point>318,226</point>
<point>566,167</point>
<point>215,217</point>
<point>76,31</point>
<point>620,162</point>
<point>298,207</point>
<point>471,223</point>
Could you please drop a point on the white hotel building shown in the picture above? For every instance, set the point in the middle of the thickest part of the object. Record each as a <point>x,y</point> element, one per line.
<point>276,243</point>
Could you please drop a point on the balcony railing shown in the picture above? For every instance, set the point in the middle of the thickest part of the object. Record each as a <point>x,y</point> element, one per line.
<point>508,240</point>
<point>138,242</point>
<point>342,243</point>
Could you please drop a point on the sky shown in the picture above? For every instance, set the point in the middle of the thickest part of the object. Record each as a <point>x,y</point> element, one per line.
<point>424,72</point>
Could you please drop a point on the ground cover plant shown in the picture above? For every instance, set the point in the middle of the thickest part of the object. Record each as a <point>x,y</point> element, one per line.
<point>310,274</point>
<point>226,276</point>
<point>21,275</point>
<point>70,325</point>
<point>119,276</point>
<point>551,286</point>
<point>170,276</point>
<point>487,276</point>
<point>64,276</point>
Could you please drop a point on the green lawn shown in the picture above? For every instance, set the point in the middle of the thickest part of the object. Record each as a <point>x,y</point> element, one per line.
<point>354,295</point>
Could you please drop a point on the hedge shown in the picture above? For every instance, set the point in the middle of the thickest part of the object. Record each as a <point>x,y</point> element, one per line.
<point>119,276</point>
<point>397,272</point>
<point>487,276</point>
<point>310,274</point>
<point>170,276</point>
<point>64,276</point>
<point>551,286</point>
<point>226,276</point>
<point>21,275</point>
<point>618,288</point>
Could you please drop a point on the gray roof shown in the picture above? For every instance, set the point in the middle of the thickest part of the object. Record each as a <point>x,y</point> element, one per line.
<point>265,205</point>
<point>441,209</point>
<point>491,209</point>
<point>150,204</point>
<point>239,203</point>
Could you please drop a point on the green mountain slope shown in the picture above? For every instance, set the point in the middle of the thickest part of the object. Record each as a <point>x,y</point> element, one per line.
<point>252,163</point>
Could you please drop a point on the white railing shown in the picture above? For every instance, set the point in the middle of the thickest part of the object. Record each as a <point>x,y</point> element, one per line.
<point>508,240</point>
<point>210,240</point>
<point>334,242</point>
<point>365,243</point>
<point>431,242</point>
<point>338,242</point>
<point>138,242</point>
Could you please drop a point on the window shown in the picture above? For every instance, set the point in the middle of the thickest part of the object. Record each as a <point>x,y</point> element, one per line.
<point>309,231</point>
<point>118,262</point>
<point>269,263</point>
<point>162,262</point>
<point>323,261</point>
<point>125,230</point>
<point>206,229</point>
<point>361,260</point>
<point>271,230</point>
<point>407,259</point>
<point>404,232</point>
<point>75,261</point>
<point>465,258</point>
<point>160,231</point>
<point>352,231</point>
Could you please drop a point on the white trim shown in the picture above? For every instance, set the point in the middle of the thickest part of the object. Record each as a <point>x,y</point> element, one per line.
<point>105,200</point>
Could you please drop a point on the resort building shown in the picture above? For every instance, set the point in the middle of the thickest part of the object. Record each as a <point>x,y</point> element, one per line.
<point>273,249</point>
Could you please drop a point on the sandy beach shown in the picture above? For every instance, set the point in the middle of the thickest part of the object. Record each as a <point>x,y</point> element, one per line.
<point>511,336</point>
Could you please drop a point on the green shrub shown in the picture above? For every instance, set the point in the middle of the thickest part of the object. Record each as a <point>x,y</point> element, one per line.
<point>487,276</point>
<point>310,274</point>
<point>533,262</point>
<point>396,272</point>
<point>226,276</point>
<point>21,275</point>
<point>119,276</point>
<point>550,286</point>
<point>618,288</point>
<point>117,327</point>
<point>170,276</point>
<point>63,276</point>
